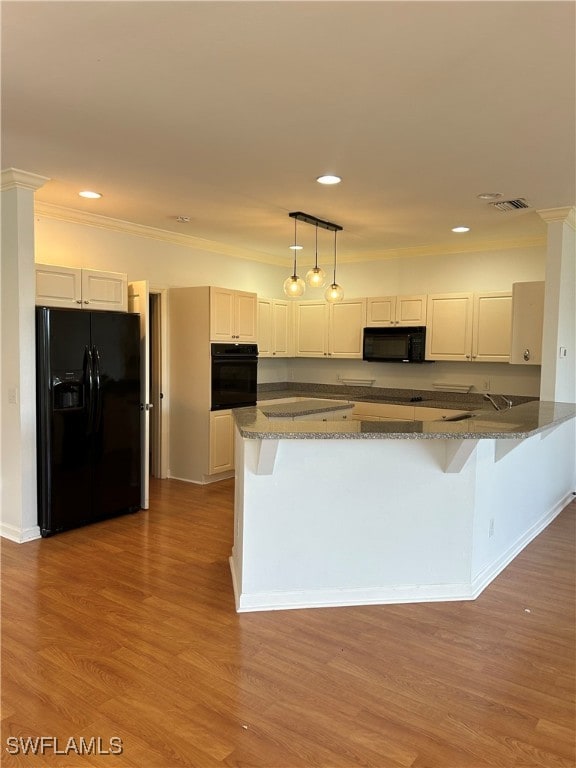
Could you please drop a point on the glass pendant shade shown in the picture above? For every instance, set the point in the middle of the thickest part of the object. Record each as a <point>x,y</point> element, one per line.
<point>294,286</point>
<point>334,293</point>
<point>316,277</point>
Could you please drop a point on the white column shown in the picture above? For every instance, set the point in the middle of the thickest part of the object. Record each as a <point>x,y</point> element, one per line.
<point>558,377</point>
<point>18,506</point>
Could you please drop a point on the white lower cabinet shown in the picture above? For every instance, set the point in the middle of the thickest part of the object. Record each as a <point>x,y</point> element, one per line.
<point>340,415</point>
<point>221,442</point>
<point>74,288</point>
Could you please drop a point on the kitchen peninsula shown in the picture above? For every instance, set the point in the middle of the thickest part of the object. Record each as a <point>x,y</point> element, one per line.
<point>332,509</point>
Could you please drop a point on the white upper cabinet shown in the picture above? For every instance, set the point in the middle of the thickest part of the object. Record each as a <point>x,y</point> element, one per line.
<point>311,328</point>
<point>274,328</point>
<point>396,310</point>
<point>80,288</point>
<point>346,321</point>
<point>527,323</point>
<point>449,326</point>
<point>466,326</point>
<point>491,327</point>
<point>330,330</point>
<point>233,315</point>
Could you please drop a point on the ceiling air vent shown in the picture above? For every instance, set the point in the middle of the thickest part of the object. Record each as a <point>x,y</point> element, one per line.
<point>510,205</point>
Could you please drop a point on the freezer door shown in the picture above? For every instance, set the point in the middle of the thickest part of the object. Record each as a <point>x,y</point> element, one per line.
<point>116,470</point>
<point>63,418</point>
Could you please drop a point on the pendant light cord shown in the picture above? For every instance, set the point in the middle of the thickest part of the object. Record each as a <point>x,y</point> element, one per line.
<point>334,280</point>
<point>316,259</point>
<point>295,244</point>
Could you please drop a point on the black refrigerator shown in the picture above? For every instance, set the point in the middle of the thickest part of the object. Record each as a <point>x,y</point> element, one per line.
<point>88,416</point>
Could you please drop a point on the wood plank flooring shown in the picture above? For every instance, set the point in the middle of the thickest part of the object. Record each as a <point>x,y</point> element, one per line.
<point>127,628</point>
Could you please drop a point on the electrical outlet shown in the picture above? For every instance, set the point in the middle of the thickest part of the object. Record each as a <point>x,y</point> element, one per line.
<point>486,385</point>
<point>491,528</point>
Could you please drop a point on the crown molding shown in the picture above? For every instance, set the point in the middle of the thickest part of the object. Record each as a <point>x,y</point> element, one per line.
<point>11,178</point>
<point>567,215</point>
<point>73,216</point>
<point>442,249</point>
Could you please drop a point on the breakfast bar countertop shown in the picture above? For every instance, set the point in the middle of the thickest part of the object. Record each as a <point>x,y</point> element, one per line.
<point>519,422</point>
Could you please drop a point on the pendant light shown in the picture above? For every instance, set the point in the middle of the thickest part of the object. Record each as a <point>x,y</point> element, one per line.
<point>334,292</point>
<point>294,286</point>
<point>316,277</point>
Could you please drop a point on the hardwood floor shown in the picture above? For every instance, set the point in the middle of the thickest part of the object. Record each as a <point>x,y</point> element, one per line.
<point>127,629</point>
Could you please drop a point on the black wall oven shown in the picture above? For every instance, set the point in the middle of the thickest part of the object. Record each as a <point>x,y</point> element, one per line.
<point>234,375</point>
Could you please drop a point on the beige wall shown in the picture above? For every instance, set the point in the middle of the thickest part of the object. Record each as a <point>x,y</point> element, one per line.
<point>167,264</point>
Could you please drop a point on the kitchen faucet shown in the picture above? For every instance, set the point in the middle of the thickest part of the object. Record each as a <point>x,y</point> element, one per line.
<point>495,404</point>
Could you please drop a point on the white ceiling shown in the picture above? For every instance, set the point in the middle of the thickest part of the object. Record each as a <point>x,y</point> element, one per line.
<point>227,111</point>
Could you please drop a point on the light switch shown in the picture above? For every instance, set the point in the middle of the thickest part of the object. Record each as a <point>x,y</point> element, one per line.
<point>563,352</point>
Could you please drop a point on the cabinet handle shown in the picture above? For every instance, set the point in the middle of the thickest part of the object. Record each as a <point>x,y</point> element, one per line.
<point>474,356</point>
<point>526,355</point>
<point>78,301</point>
<point>467,357</point>
<point>86,301</point>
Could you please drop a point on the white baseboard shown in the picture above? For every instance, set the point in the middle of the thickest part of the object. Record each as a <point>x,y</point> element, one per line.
<point>326,598</point>
<point>206,479</point>
<point>19,535</point>
<point>492,570</point>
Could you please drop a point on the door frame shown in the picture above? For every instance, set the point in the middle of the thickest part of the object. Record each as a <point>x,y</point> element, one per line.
<point>159,357</point>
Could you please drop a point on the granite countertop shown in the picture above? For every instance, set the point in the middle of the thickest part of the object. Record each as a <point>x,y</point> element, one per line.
<point>431,399</point>
<point>304,407</point>
<point>518,422</point>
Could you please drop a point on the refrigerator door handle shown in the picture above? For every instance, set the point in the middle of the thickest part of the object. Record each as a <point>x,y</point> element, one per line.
<point>89,389</point>
<point>98,398</point>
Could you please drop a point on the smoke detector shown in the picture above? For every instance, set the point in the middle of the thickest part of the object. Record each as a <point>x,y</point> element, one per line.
<point>183,219</point>
<point>510,205</point>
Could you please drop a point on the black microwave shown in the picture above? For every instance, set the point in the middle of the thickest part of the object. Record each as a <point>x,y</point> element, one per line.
<point>395,345</point>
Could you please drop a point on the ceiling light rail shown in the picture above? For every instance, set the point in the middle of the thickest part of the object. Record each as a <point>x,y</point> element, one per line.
<point>306,217</point>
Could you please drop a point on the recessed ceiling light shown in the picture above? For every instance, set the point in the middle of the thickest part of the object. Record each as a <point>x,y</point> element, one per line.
<point>90,195</point>
<point>296,247</point>
<point>460,229</point>
<point>489,195</point>
<point>328,179</point>
<point>183,219</point>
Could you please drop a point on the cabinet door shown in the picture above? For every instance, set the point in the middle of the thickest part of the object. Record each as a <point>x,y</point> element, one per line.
<point>311,328</point>
<point>346,323</point>
<point>245,316</point>
<point>265,327</point>
<point>491,329</point>
<point>58,286</point>
<point>449,331</point>
<point>104,290</point>
<point>527,323</point>
<point>221,441</point>
<point>282,346</point>
<point>381,311</point>
<point>411,310</point>
<point>221,314</point>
